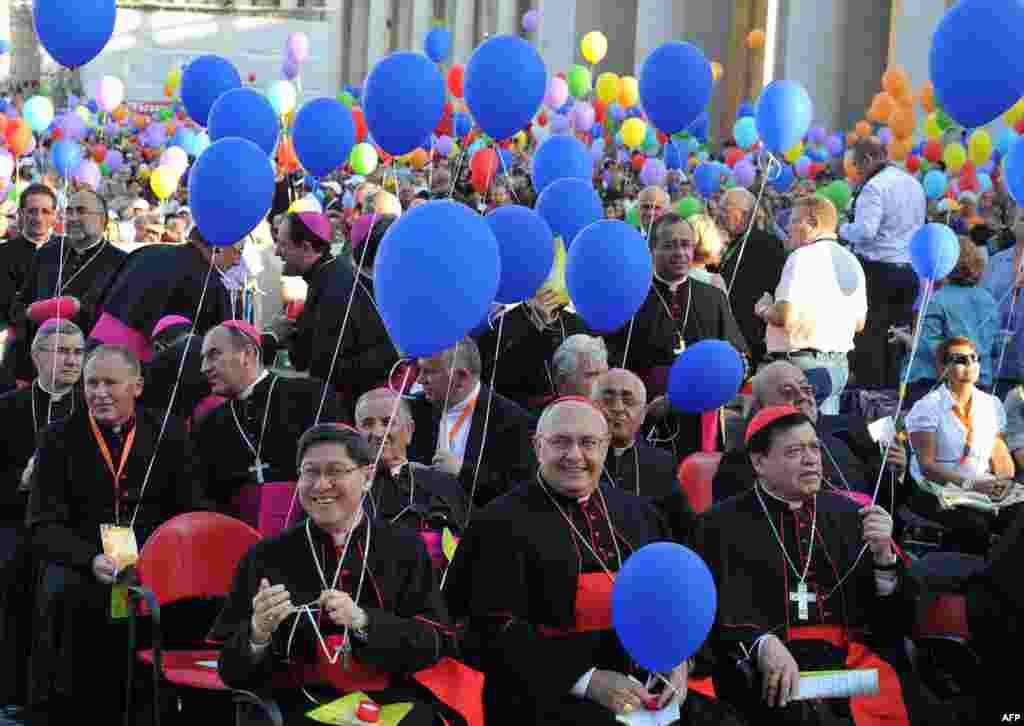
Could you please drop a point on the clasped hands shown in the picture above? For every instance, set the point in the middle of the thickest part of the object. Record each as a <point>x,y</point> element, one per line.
<point>272,605</point>
<point>621,694</point>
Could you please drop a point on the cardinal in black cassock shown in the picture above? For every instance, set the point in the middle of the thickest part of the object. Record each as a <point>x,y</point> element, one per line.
<point>803,575</point>
<point>159,280</point>
<point>171,341</point>
<point>534,575</point>
<point>91,470</point>
<point>249,440</point>
<point>358,591</point>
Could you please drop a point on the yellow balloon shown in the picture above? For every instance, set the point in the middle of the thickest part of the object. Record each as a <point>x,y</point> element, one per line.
<point>520,138</point>
<point>931,127</point>
<point>174,77</point>
<point>955,155</point>
<point>979,147</point>
<point>594,46</point>
<point>608,87</point>
<point>795,153</point>
<point>164,181</point>
<point>634,131</point>
<point>716,70</point>
<point>1015,113</point>
<point>629,92</point>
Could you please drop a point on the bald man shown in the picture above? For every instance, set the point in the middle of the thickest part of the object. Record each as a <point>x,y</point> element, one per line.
<point>652,203</point>
<point>387,203</point>
<point>533,574</point>
<point>750,269</point>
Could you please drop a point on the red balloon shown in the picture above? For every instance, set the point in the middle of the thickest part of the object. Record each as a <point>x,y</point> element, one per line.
<point>99,153</point>
<point>19,136</point>
<point>662,138</point>
<point>968,169</point>
<point>638,162</point>
<point>57,134</point>
<point>933,151</point>
<point>457,80</point>
<point>252,78</point>
<point>734,156</point>
<point>913,163</point>
<point>360,121</point>
<point>483,168</point>
<point>542,119</point>
<point>1019,128</point>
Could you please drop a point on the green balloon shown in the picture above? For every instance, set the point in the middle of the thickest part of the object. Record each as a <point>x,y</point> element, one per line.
<point>925,165</point>
<point>943,120</point>
<point>44,88</point>
<point>633,217</point>
<point>689,206</point>
<point>840,194</point>
<point>363,159</point>
<point>580,83</point>
<point>105,169</point>
<point>347,98</point>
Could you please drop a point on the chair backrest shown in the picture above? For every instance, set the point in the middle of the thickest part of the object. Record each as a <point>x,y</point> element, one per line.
<point>194,555</point>
<point>945,618</point>
<point>695,476</point>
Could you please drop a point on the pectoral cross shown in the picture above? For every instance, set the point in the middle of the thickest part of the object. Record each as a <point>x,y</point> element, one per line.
<point>802,597</point>
<point>257,469</point>
<point>680,345</point>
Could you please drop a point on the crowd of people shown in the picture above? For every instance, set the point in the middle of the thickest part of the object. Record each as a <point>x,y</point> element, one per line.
<point>141,386</point>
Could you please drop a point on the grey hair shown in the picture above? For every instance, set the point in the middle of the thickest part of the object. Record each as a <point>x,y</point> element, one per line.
<point>117,351</point>
<point>58,327</point>
<point>465,354</point>
<point>404,414</point>
<point>759,383</point>
<point>566,359</point>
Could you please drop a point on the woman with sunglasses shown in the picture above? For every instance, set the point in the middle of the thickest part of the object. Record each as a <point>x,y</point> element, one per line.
<point>957,434</point>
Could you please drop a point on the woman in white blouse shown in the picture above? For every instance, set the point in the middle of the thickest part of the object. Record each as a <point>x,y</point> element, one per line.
<point>957,435</point>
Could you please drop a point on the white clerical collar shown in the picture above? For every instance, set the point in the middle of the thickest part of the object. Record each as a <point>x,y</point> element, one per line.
<point>787,502</point>
<point>397,469</point>
<point>672,286</point>
<point>54,395</point>
<point>456,410</point>
<point>623,450</point>
<point>252,386</point>
<point>341,536</point>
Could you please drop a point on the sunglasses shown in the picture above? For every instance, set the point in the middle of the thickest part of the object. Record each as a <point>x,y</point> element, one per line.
<point>961,359</point>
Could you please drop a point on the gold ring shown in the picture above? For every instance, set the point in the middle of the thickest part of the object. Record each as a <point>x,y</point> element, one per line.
<point>627,707</point>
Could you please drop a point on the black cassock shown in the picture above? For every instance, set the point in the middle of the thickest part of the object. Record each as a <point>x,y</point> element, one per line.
<point>155,281</point>
<point>15,260</point>
<point>650,473</point>
<point>419,497</point>
<point>329,283</point>
<point>227,463</point>
<point>695,311</point>
<point>162,371</point>
<point>517,575</point>
<point>72,495</point>
<point>25,414</point>
<point>524,359</point>
<point>407,629</point>
<point>756,591</point>
<point>85,275</point>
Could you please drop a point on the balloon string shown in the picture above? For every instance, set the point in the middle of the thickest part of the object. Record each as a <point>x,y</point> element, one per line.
<point>629,338</point>
<point>1005,336</point>
<point>458,172</point>
<point>766,171</point>
<point>511,186</point>
<point>487,418</point>
<point>447,394</point>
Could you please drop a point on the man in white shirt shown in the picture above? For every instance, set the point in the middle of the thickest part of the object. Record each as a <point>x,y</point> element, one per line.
<point>821,301</point>
<point>889,209</point>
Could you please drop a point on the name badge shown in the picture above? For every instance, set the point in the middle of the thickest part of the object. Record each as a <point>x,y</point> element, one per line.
<point>120,545</point>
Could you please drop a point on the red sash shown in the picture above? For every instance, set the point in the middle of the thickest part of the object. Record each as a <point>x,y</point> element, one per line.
<point>358,677</point>
<point>457,685</point>
<point>593,605</point>
<point>266,506</point>
<point>432,539</point>
<point>885,709</point>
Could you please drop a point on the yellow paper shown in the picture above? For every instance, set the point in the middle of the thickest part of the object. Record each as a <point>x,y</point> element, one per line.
<point>119,602</point>
<point>556,280</point>
<point>119,544</point>
<point>343,711</point>
<point>448,544</point>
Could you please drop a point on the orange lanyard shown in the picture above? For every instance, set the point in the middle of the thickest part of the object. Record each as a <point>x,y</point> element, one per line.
<point>460,422</point>
<point>964,416</point>
<point>105,451</point>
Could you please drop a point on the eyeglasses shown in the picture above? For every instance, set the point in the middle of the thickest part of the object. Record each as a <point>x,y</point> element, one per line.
<point>564,444</point>
<point>961,359</point>
<point>797,393</point>
<point>82,211</point>
<point>672,246</point>
<point>334,474</point>
<point>65,352</point>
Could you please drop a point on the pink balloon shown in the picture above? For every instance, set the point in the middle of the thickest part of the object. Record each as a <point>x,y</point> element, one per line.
<point>176,158</point>
<point>583,116</point>
<point>6,165</point>
<point>88,173</point>
<point>110,93</point>
<point>557,95</point>
<point>298,47</point>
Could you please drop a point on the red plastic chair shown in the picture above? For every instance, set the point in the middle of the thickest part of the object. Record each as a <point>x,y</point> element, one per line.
<point>946,618</point>
<point>189,557</point>
<point>695,476</point>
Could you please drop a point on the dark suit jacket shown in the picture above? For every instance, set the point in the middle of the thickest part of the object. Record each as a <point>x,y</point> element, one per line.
<point>15,260</point>
<point>759,272</point>
<point>509,456</point>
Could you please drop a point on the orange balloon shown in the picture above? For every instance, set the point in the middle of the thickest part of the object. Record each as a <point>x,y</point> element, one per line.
<point>895,80</point>
<point>928,97</point>
<point>99,153</point>
<point>360,121</point>
<point>882,106</point>
<point>851,138</point>
<point>457,80</point>
<point>863,129</point>
<point>418,158</point>
<point>902,122</point>
<point>900,148</point>
<point>755,39</point>
<point>3,123</point>
<point>120,112</point>
<point>172,126</point>
<point>286,157</point>
<point>141,121</point>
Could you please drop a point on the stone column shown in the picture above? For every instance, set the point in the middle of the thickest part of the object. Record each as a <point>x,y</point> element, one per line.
<point>556,37</point>
<point>26,53</point>
<point>463,27</point>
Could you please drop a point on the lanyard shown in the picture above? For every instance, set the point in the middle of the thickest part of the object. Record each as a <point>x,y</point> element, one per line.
<point>579,535</point>
<point>963,415</point>
<point>105,451</point>
<point>460,422</point>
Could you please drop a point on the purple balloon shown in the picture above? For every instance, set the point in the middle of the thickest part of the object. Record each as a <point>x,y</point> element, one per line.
<point>885,135</point>
<point>583,116</point>
<point>817,135</point>
<point>114,160</point>
<point>298,47</point>
<point>987,167</point>
<point>835,146</point>
<point>557,94</point>
<point>653,173</point>
<point>88,173</point>
<point>559,123</point>
<point>72,125</point>
<point>531,21</point>
<point>622,157</point>
<point>618,112</point>
<point>444,145</point>
<point>744,173</point>
<point>290,69</point>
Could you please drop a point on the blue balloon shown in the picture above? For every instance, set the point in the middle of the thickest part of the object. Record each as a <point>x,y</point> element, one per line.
<point>505,84</point>
<point>785,179</point>
<point>230,190</point>
<point>699,128</point>
<point>618,113</point>
<point>663,605</point>
<point>404,101</point>
<point>569,205</point>
<point>708,178</point>
<point>507,159</point>
<point>66,155</point>
<point>463,123</point>
<point>527,248</point>
<point>561,157</point>
<point>5,46</point>
<point>600,248</point>
<point>438,44</point>
<point>74,33</point>
<point>666,70</point>
<point>706,376</point>
<point>1005,140</point>
<point>977,82</point>
<point>203,81</point>
<point>934,251</point>
<point>745,132</point>
<point>934,183</point>
<point>246,114</point>
<point>784,115</point>
<point>984,183</point>
<point>324,134</point>
<point>675,155</point>
<point>418,261</point>
<point>746,109</point>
